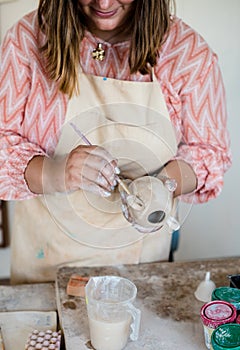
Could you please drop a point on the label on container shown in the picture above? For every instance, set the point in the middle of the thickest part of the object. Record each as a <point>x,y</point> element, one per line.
<point>214,314</point>
<point>218,312</point>
<point>207,336</point>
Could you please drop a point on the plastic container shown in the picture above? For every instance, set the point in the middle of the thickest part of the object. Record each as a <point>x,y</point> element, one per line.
<point>234,281</point>
<point>214,314</point>
<point>231,295</point>
<point>226,337</point>
<point>205,289</point>
<point>112,317</point>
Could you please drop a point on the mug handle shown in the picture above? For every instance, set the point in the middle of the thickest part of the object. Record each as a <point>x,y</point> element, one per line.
<point>135,325</point>
<point>173,224</point>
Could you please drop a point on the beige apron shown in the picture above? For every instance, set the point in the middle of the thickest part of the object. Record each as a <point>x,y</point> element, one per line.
<point>131,121</point>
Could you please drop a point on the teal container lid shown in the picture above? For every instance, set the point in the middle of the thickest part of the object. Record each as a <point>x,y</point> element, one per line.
<point>231,295</point>
<point>226,337</point>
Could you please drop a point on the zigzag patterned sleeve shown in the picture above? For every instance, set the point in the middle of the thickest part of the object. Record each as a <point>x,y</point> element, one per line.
<point>15,149</point>
<point>191,79</point>
<point>205,143</point>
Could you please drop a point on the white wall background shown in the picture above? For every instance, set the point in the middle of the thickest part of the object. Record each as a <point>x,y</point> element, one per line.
<point>212,229</point>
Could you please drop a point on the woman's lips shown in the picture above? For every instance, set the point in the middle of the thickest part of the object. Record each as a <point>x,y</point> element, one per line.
<point>106,14</point>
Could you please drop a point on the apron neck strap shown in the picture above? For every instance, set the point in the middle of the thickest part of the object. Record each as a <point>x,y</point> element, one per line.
<point>153,76</point>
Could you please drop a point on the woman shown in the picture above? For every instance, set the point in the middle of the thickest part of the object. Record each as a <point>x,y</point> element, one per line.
<point>147,92</point>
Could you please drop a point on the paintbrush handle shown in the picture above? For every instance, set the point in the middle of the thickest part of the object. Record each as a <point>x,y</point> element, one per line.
<point>124,186</point>
<point>85,139</point>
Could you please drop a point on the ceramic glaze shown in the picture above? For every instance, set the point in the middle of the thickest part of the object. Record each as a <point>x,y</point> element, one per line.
<point>214,314</point>
<point>109,335</point>
<point>112,317</point>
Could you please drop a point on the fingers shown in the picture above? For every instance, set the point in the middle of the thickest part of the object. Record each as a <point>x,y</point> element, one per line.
<point>91,168</point>
<point>90,186</point>
<point>100,167</point>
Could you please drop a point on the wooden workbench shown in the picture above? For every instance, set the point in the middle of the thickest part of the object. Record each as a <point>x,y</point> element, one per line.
<point>24,308</point>
<point>170,312</point>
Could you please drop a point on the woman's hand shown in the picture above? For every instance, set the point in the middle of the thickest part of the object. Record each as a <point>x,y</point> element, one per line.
<point>90,168</point>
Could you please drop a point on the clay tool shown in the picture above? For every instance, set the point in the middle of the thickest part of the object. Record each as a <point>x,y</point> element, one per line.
<point>137,202</point>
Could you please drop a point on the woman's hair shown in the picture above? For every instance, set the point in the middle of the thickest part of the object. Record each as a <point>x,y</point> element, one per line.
<point>63,23</point>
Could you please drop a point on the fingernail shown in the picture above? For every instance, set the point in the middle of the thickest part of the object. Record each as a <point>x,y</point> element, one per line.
<point>113,187</point>
<point>115,183</point>
<point>106,194</point>
<point>117,170</point>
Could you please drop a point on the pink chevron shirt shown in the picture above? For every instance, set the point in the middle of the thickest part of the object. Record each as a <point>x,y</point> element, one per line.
<point>32,110</point>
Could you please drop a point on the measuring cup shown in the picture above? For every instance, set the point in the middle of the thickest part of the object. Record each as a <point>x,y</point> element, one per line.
<point>113,318</point>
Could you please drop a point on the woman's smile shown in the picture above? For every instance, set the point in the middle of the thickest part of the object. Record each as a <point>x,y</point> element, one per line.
<point>104,14</point>
<point>106,17</point>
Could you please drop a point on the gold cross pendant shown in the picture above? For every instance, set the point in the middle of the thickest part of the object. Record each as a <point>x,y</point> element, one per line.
<point>99,53</point>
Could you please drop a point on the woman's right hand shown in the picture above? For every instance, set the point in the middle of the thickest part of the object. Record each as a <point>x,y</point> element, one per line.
<point>90,168</point>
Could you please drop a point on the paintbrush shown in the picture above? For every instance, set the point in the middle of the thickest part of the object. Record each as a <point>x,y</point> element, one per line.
<point>83,137</point>
<point>138,203</point>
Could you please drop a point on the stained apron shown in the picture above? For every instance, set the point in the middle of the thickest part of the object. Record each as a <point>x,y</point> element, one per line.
<point>130,119</point>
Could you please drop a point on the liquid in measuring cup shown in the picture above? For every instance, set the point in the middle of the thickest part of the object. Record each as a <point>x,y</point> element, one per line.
<point>107,335</point>
<point>112,317</point>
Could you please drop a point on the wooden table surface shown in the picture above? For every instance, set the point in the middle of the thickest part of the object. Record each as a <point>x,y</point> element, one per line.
<point>170,311</point>
<point>24,308</point>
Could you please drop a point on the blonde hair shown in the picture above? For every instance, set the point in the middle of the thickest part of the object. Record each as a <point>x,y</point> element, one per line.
<point>63,24</point>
